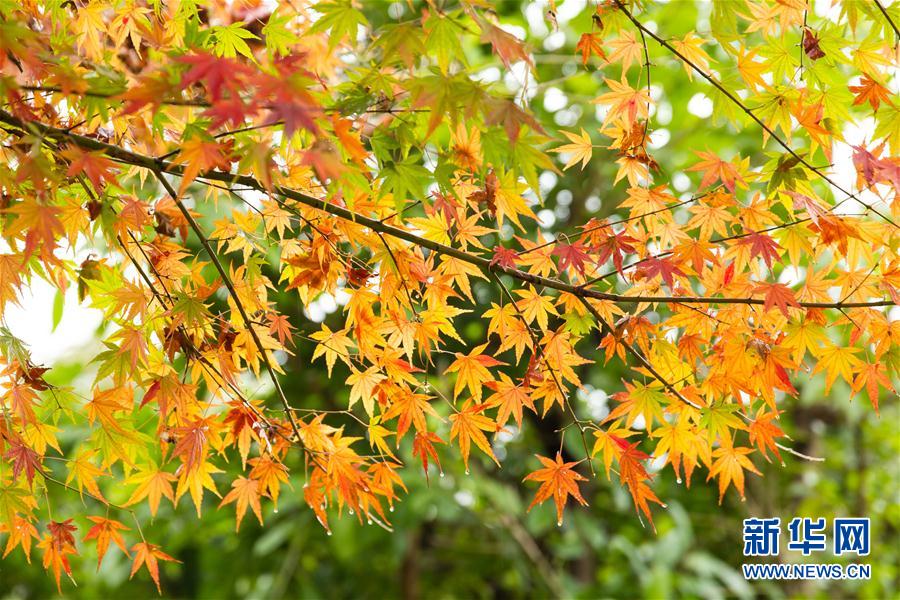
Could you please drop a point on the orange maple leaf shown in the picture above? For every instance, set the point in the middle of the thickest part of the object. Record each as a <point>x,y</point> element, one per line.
<point>588,44</point>
<point>729,466</point>
<point>468,425</point>
<point>200,155</point>
<point>149,555</point>
<point>777,295</point>
<point>244,492</point>
<point>106,531</point>
<point>559,480</point>
<point>94,165</point>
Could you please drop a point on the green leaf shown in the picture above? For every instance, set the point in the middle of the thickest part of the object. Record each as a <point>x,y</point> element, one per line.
<point>405,179</point>
<point>443,39</point>
<point>58,302</point>
<point>719,420</point>
<point>578,324</point>
<point>341,18</point>
<point>229,40</point>
<point>278,36</point>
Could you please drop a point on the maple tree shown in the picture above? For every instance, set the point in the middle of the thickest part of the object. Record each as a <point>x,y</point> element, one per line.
<point>182,164</point>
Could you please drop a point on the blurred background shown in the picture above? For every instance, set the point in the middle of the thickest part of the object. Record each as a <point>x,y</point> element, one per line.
<point>469,536</point>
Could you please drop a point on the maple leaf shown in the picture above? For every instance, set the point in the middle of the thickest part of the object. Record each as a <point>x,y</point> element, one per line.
<point>763,432</point>
<point>615,246</point>
<point>270,474</point>
<point>870,376</point>
<point>626,49</point>
<point>581,149</point>
<point>291,104</point>
<point>590,44</point>
<point>106,531</point>
<point>423,447</point>
<point>468,425</point>
<point>244,492</point>
<point>58,545</point>
<point>762,245</point>
<point>572,255</point>
<point>154,484</point>
<point>349,140</point>
<point>837,361</point>
<point>777,295</point>
<point>639,401</point>
<point>510,397</point>
<point>535,307</point>
<point>871,91</point>
<point>472,371</point>
<point>625,101</point>
<point>363,386</point>
<point>715,169</point>
<point>660,267</point>
<point>609,443</point>
<point>810,44</point>
<point>504,44</point>
<point>332,345</point>
<point>200,155</point>
<point>21,533</point>
<point>148,555</point>
<point>23,458</point>
<point>691,48</point>
<point>729,466</point>
<point>195,481</point>
<point>85,474</point>
<point>192,442</point>
<point>94,165</point>
<point>634,476</point>
<point>377,434</point>
<point>750,69</point>
<point>232,111</point>
<point>411,409</point>
<point>558,480</point>
<point>504,257</point>
<point>216,73</point>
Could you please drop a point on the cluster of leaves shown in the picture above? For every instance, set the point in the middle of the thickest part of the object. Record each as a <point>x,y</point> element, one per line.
<point>360,158</point>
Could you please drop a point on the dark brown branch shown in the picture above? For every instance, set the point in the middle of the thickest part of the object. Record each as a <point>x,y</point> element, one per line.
<point>888,19</point>
<point>483,263</point>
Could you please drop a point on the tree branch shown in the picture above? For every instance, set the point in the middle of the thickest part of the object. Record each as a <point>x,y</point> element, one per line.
<point>483,263</point>
<point>234,296</point>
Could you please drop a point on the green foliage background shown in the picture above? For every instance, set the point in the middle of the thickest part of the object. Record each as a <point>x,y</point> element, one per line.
<point>469,536</point>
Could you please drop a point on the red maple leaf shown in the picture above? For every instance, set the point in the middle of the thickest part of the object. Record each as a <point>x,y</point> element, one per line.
<point>288,101</point>
<point>229,111</point>
<point>423,447</point>
<point>215,72</point>
<point>811,44</point>
<point>616,245</point>
<point>94,165</point>
<point>506,46</point>
<point>572,255</point>
<point>865,162</point>
<point>762,245</point>
<point>504,257</point>
<point>662,267</point>
<point>23,458</point>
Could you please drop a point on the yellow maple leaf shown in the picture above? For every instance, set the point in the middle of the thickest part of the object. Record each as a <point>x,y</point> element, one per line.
<point>581,149</point>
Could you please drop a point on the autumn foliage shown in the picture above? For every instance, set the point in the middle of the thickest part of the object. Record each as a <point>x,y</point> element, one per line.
<point>182,164</point>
